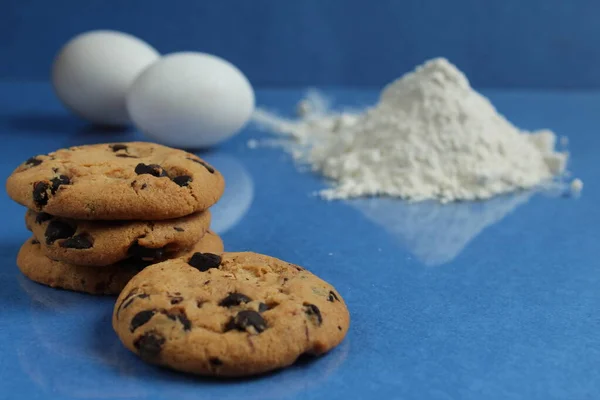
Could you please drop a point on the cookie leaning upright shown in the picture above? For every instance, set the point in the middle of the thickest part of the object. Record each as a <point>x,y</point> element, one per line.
<point>239,314</point>
<point>124,181</point>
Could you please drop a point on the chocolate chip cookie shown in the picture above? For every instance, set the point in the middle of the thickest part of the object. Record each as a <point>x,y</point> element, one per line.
<point>231,315</point>
<point>108,280</point>
<point>120,181</point>
<point>100,243</point>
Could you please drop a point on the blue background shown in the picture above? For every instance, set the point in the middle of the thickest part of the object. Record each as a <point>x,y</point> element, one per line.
<point>507,43</point>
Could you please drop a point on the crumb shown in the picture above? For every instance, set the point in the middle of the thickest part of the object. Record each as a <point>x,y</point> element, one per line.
<point>576,187</point>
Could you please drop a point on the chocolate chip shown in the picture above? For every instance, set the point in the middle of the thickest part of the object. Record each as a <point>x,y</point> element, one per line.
<point>298,268</point>
<point>234,299</point>
<point>207,282</point>
<point>339,328</point>
<point>55,170</point>
<point>151,169</point>
<point>140,319</point>
<point>78,242</point>
<point>33,162</point>
<point>57,182</point>
<point>133,183</point>
<point>144,186</point>
<point>313,311</point>
<point>176,300</point>
<point>333,296</point>
<point>215,362</point>
<point>130,298</point>
<point>118,146</point>
<point>146,253</point>
<point>205,165</point>
<point>178,229</point>
<point>182,180</point>
<point>40,193</point>
<point>35,241</point>
<point>149,345</point>
<point>179,315</point>
<point>205,261</point>
<point>247,319</point>
<point>58,230</point>
<point>42,217</point>
<point>262,307</point>
<point>125,155</point>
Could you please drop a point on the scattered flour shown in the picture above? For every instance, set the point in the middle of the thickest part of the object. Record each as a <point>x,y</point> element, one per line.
<point>430,136</point>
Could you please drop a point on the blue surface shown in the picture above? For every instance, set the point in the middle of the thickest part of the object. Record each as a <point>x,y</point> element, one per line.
<point>494,300</point>
<point>507,43</point>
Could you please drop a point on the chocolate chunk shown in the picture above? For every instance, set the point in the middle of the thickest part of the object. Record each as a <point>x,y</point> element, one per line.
<point>58,230</point>
<point>215,362</point>
<point>234,299</point>
<point>339,328</point>
<point>78,242</point>
<point>313,311</point>
<point>42,217</point>
<point>35,241</point>
<point>205,261</point>
<point>179,315</point>
<point>333,296</point>
<point>33,162</point>
<point>262,307</point>
<point>146,253</point>
<point>118,146</point>
<point>149,345</point>
<point>144,186</point>
<point>40,193</point>
<point>178,229</point>
<point>182,180</point>
<point>140,319</point>
<point>57,182</point>
<point>151,169</point>
<point>176,300</point>
<point>298,268</point>
<point>205,165</point>
<point>130,298</point>
<point>247,319</point>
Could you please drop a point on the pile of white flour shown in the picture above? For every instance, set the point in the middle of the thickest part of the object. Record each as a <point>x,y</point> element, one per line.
<point>430,136</point>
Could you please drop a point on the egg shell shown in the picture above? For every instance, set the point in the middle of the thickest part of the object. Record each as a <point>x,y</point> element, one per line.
<point>191,100</point>
<point>93,72</point>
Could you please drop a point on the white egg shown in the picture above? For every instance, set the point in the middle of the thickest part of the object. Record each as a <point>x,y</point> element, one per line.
<point>93,72</point>
<point>190,100</point>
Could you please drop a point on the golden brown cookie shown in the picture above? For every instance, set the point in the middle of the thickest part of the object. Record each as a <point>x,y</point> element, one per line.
<point>106,280</point>
<point>120,181</point>
<point>241,314</point>
<point>100,243</point>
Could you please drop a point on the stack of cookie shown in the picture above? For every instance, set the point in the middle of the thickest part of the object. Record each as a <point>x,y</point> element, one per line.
<point>101,213</point>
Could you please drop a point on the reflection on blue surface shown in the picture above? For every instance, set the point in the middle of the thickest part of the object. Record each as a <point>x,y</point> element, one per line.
<point>239,192</point>
<point>436,233</point>
<point>74,332</point>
